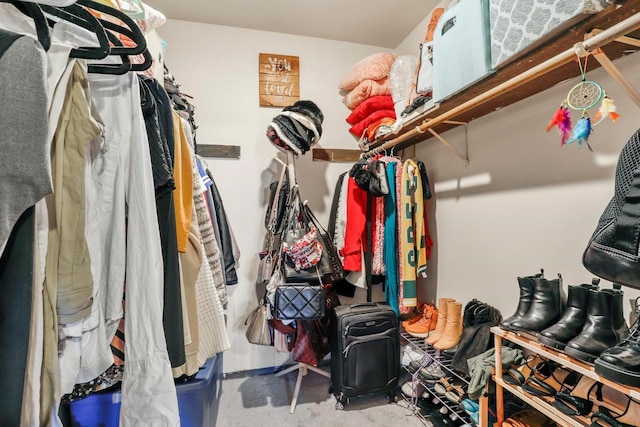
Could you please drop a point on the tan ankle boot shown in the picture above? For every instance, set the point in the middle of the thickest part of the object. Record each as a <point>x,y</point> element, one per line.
<point>442,321</point>
<point>453,328</point>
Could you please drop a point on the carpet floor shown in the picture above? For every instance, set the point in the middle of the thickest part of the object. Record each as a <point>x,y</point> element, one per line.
<point>264,400</point>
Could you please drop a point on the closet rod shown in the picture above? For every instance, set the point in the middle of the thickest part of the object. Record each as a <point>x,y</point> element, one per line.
<point>606,36</point>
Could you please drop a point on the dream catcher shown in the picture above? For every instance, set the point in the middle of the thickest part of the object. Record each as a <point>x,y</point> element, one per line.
<point>583,96</point>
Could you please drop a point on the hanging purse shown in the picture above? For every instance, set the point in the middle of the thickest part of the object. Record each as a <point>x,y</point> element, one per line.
<point>278,200</point>
<point>257,324</point>
<point>274,222</point>
<point>330,267</point>
<point>265,267</point>
<point>326,269</point>
<point>299,301</point>
<point>312,342</point>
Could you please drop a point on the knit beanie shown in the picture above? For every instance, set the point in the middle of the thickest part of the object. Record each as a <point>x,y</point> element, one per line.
<point>297,128</point>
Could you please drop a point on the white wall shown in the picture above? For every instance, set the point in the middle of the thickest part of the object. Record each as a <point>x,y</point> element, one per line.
<point>538,209</point>
<point>540,204</point>
<point>218,66</point>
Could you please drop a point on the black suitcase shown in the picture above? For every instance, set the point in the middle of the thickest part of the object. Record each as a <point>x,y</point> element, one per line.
<point>365,351</point>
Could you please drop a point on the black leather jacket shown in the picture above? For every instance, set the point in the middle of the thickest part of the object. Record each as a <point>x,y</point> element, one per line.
<point>229,261</point>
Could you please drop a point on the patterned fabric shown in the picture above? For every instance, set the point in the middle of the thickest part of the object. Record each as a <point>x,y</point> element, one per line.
<point>517,26</point>
<point>207,232</point>
<point>109,378</point>
<point>378,266</point>
<point>117,343</point>
<point>413,250</point>
<point>213,334</point>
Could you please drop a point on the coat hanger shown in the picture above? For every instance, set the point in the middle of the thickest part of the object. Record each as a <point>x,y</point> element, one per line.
<point>81,17</point>
<point>33,11</point>
<point>117,69</point>
<point>133,32</point>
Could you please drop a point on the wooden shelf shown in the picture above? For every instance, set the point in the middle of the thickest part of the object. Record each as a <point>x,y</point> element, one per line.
<point>563,359</point>
<point>543,406</point>
<point>550,76</point>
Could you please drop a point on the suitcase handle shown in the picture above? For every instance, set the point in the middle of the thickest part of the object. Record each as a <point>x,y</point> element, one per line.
<point>364,304</point>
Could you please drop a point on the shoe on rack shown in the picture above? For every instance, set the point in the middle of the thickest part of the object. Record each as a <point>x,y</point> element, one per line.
<point>440,420</point>
<point>453,328</point>
<point>470,406</point>
<point>629,418</point>
<point>427,406</point>
<point>576,401</point>
<point>572,320</point>
<point>442,321</point>
<point>598,334</point>
<point>622,362</point>
<point>417,314</point>
<point>410,354</point>
<point>414,389</point>
<point>526,296</point>
<point>546,306</point>
<point>431,373</point>
<point>427,323</point>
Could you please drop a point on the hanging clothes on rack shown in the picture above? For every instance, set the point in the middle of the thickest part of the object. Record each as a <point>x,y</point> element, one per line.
<point>400,242</point>
<point>107,136</point>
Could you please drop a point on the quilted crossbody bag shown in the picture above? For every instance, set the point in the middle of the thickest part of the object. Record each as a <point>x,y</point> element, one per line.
<point>299,301</point>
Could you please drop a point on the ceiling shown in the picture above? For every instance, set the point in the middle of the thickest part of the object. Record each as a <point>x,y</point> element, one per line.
<point>381,23</point>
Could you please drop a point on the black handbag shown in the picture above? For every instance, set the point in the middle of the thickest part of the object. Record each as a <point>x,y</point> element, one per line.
<point>300,301</point>
<point>612,252</point>
<point>328,269</point>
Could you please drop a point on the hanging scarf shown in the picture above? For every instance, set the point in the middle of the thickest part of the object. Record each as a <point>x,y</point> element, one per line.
<point>390,256</point>
<point>412,239</point>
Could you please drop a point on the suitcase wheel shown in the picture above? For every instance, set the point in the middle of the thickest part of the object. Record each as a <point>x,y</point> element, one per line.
<point>339,406</point>
<point>392,397</point>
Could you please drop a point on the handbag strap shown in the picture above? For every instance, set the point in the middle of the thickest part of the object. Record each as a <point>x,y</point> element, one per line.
<point>276,200</point>
<point>311,217</point>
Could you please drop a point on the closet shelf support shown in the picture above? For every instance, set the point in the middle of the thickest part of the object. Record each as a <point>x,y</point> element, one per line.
<point>612,70</point>
<point>622,28</point>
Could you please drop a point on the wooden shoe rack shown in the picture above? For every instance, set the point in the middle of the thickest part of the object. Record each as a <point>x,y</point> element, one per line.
<point>545,405</point>
<point>444,362</point>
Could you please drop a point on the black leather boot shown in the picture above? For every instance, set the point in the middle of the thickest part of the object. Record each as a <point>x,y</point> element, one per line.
<point>598,334</point>
<point>573,318</point>
<point>617,313</point>
<point>545,309</point>
<point>622,363</point>
<point>526,296</point>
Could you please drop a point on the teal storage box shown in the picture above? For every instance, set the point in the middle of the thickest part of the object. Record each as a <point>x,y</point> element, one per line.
<point>461,48</point>
<point>197,401</point>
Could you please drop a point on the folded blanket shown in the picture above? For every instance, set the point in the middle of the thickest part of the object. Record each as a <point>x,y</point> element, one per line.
<point>368,106</point>
<point>362,125</point>
<point>373,67</point>
<point>367,89</point>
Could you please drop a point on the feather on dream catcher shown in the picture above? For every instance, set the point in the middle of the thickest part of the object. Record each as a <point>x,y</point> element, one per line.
<point>586,94</point>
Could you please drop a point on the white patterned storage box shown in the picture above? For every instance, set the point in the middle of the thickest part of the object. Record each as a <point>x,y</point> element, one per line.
<point>517,26</point>
<point>461,48</point>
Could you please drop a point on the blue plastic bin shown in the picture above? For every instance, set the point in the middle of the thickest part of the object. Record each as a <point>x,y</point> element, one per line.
<point>197,401</point>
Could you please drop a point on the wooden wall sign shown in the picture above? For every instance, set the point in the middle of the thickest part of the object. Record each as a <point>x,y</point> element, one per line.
<point>279,80</point>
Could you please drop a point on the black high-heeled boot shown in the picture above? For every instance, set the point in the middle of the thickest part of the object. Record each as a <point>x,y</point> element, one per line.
<point>526,296</point>
<point>545,309</point>
<point>573,318</point>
